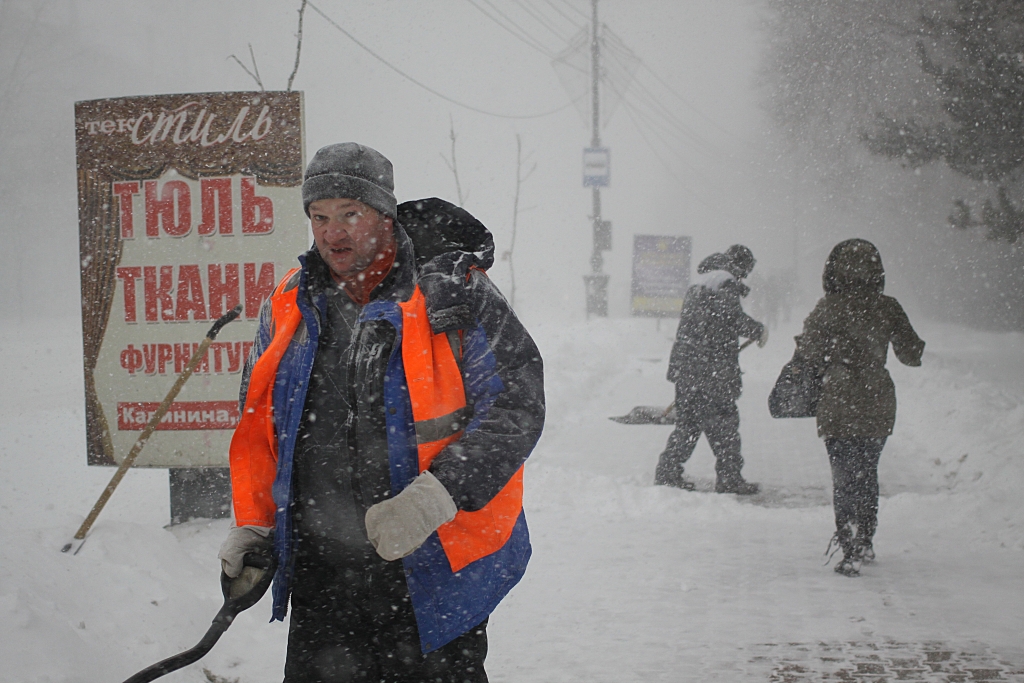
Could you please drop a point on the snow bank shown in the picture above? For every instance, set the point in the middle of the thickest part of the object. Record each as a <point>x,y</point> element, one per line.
<point>628,582</point>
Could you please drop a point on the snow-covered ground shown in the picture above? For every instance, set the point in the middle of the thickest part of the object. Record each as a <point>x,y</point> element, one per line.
<point>629,582</point>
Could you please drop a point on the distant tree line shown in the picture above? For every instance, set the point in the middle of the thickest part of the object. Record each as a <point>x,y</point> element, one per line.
<point>974,53</point>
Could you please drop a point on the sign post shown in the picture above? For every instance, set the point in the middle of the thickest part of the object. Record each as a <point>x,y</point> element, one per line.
<point>189,205</point>
<point>661,275</point>
<point>597,174</point>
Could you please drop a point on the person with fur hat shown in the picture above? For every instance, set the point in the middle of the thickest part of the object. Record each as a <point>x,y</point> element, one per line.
<point>846,339</point>
<point>704,366</point>
<point>388,406</point>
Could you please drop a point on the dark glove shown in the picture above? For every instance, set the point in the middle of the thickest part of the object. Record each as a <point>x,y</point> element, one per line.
<point>762,339</point>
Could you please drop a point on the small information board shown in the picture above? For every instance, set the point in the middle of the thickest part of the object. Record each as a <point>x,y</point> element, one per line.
<point>188,205</point>
<point>661,275</point>
<point>596,167</point>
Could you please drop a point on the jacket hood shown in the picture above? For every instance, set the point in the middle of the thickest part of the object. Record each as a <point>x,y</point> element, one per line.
<point>438,227</point>
<point>853,265</point>
<point>738,261</point>
<point>714,262</point>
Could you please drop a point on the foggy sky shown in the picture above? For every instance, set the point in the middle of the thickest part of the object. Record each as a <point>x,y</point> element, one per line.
<point>700,179</point>
<point>692,150</point>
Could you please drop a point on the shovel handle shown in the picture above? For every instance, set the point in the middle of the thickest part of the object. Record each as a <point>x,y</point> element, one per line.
<point>227,614</point>
<point>151,426</point>
<point>672,405</point>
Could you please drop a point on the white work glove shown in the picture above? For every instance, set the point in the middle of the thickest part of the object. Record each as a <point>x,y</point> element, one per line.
<point>763,339</point>
<point>399,525</point>
<point>242,540</point>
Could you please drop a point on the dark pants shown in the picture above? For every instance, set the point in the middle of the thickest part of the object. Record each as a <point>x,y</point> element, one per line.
<point>698,414</point>
<point>357,624</point>
<point>855,489</point>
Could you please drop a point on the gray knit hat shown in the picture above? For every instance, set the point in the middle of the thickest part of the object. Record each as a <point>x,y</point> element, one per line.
<point>348,170</point>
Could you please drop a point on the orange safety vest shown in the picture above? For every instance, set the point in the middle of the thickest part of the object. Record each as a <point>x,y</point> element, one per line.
<point>437,397</point>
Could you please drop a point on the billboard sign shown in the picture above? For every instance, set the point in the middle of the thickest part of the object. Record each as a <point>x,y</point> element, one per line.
<point>188,205</point>
<point>661,275</point>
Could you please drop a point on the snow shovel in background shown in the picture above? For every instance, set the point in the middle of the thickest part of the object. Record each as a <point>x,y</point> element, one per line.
<point>79,538</point>
<point>656,415</point>
<point>239,595</point>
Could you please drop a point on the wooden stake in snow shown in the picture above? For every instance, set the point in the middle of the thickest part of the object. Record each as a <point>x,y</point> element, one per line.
<point>79,538</point>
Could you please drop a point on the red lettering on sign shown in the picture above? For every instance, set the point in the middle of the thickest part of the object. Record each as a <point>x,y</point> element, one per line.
<point>172,210</point>
<point>234,353</point>
<point>190,294</point>
<point>128,276</point>
<point>164,359</point>
<point>131,359</point>
<point>182,415</point>
<point>182,296</point>
<point>124,193</point>
<point>164,354</point>
<point>158,297</point>
<point>224,293</point>
<point>149,357</point>
<point>218,365</point>
<point>216,201</point>
<point>182,354</point>
<point>257,289</point>
<point>257,212</point>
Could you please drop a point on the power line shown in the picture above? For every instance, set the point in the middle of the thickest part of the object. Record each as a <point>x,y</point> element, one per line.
<point>685,101</point>
<point>567,17</point>
<point>525,37</point>
<point>653,126</point>
<point>540,19</point>
<point>426,87</point>
<point>658,128</point>
<point>664,136</point>
<point>586,17</point>
<point>721,209</point>
<point>662,110</point>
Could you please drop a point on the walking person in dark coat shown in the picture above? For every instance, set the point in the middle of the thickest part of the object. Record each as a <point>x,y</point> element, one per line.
<point>705,368</point>
<point>847,338</point>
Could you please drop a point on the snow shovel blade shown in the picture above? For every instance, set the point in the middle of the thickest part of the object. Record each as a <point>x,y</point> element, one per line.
<point>648,415</point>
<point>266,566</point>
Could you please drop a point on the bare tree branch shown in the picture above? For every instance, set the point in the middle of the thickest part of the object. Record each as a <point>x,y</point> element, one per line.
<point>255,68</point>
<point>521,178</point>
<point>453,165</point>
<point>244,68</point>
<point>298,46</point>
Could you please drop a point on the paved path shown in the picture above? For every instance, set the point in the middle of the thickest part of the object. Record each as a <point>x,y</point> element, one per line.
<point>869,662</point>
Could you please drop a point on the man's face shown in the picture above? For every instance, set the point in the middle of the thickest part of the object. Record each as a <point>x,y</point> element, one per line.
<point>349,235</point>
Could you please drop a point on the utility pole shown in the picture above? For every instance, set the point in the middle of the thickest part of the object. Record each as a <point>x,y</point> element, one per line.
<point>596,174</point>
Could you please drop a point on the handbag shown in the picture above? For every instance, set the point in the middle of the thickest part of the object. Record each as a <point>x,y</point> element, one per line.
<point>797,390</point>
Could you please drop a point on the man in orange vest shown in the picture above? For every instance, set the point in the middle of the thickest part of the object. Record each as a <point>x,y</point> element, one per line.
<point>388,406</point>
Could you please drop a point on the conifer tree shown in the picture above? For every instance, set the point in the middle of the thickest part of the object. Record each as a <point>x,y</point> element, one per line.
<point>975,55</point>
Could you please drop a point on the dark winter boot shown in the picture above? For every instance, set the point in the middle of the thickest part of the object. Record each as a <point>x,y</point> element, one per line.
<point>675,481</point>
<point>866,553</point>
<point>843,539</point>
<point>669,472</point>
<point>737,485</point>
<point>848,566</point>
